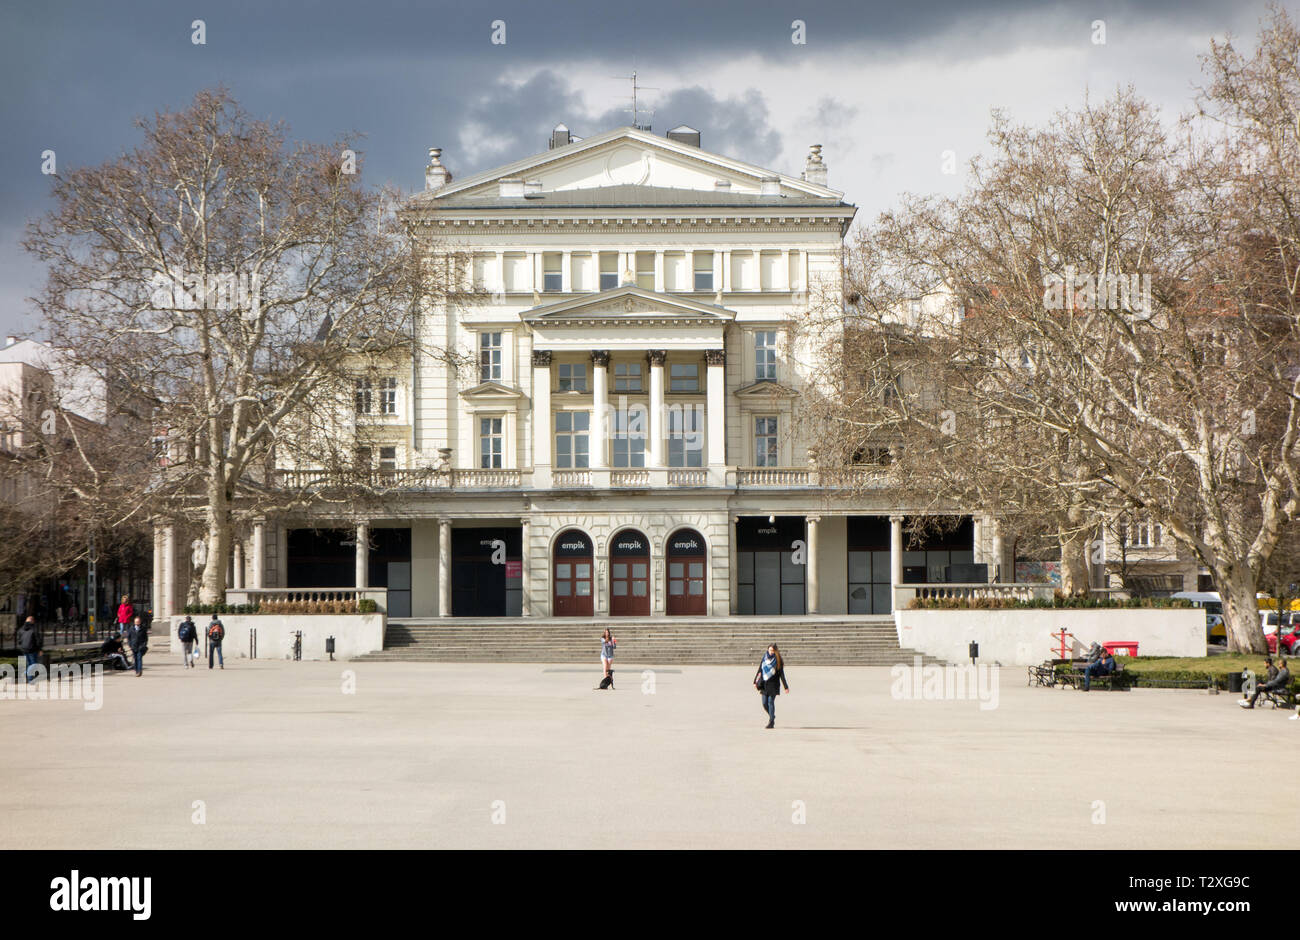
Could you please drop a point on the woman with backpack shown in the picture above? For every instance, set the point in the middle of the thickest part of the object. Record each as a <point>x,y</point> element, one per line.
<point>216,633</point>
<point>768,680</point>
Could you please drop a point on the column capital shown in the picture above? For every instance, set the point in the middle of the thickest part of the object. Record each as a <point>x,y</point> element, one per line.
<point>600,357</point>
<point>541,357</point>
<point>657,357</point>
<point>895,518</point>
<point>715,357</point>
<point>812,520</point>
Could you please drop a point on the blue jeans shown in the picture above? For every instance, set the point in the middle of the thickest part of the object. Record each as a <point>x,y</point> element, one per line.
<point>139,660</point>
<point>29,660</point>
<point>215,648</point>
<point>769,706</point>
<point>1096,669</point>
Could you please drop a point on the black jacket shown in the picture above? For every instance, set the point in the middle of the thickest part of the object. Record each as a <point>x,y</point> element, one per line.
<point>137,636</point>
<point>29,638</point>
<point>773,685</point>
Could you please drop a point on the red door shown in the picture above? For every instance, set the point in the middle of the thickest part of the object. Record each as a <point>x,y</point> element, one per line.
<point>629,575</point>
<point>571,575</point>
<point>686,557</point>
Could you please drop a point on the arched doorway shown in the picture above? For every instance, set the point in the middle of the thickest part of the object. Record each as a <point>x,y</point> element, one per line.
<point>629,574</point>
<point>686,557</point>
<point>571,575</point>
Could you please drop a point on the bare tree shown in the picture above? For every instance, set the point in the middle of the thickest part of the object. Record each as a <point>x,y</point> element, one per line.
<point>232,285</point>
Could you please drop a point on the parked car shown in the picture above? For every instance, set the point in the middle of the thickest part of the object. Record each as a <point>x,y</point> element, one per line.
<point>1290,641</point>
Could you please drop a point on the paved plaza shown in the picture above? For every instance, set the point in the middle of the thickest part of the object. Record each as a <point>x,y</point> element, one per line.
<point>430,755</point>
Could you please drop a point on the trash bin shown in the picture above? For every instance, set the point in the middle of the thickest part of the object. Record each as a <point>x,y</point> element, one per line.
<point>1235,682</point>
<point>1122,647</point>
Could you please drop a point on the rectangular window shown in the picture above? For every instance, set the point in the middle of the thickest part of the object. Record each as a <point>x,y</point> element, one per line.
<point>627,376</point>
<point>572,376</point>
<point>629,437</point>
<point>765,442</point>
<point>704,270</point>
<point>388,458</point>
<point>365,397</point>
<point>489,443</point>
<point>645,270</point>
<point>489,357</point>
<point>608,270</point>
<point>364,457</point>
<point>765,356</point>
<point>684,377</point>
<point>571,439</point>
<point>552,276</point>
<point>686,436</point>
<point>388,396</point>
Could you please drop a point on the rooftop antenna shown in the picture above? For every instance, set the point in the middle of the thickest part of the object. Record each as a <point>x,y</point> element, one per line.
<point>635,109</point>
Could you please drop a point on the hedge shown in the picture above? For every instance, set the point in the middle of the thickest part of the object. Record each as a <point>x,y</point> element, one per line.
<point>1058,602</point>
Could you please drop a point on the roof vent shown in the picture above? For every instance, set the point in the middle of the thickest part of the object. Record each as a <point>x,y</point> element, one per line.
<point>512,187</point>
<point>770,186</point>
<point>685,134</point>
<point>560,137</point>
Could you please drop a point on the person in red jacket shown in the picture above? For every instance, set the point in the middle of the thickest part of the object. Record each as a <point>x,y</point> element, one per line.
<point>125,613</point>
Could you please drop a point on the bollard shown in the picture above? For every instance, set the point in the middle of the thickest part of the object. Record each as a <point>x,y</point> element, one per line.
<point>252,642</point>
<point>329,647</point>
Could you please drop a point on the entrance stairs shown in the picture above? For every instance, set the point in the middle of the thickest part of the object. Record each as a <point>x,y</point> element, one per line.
<point>807,641</point>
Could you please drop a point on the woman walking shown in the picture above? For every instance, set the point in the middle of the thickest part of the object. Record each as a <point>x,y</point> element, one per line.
<point>768,680</point>
<point>607,645</point>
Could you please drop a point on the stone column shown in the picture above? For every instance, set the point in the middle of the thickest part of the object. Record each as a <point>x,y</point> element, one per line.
<point>690,270</point>
<point>525,568</point>
<point>363,555</point>
<point>169,571</point>
<point>566,271</point>
<point>998,574</point>
<point>659,272</point>
<point>895,553</point>
<point>726,270</point>
<point>259,555</point>
<point>977,540</point>
<point>813,584</point>
<point>599,408</point>
<point>541,417</point>
<point>237,555</point>
<point>655,458</point>
<point>783,276</point>
<point>501,272</point>
<point>444,567</point>
<point>716,406</point>
<point>159,592</point>
<point>731,564</point>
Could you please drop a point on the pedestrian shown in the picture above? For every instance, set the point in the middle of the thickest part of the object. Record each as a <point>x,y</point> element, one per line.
<point>73,612</point>
<point>768,680</point>
<point>1276,684</point>
<point>29,644</point>
<point>607,645</point>
<point>188,634</point>
<point>125,613</point>
<point>216,633</point>
<point>137,637</point>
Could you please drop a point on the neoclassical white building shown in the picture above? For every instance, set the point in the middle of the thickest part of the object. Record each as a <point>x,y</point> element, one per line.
<point>627,439</point>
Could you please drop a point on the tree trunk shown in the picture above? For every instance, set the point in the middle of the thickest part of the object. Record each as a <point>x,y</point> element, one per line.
<point>213,590</point>
<point>1236,586</point>
<point>1074,563</point>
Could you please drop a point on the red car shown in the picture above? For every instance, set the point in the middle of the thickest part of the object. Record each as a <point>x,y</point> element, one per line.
<point>1290,641</point>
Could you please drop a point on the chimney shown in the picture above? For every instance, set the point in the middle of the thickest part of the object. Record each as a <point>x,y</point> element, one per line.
<point>814,171</point>
<point>560,137</point>
<point>512,186</point>
<point>770,186</point>
<point>684,134</point>
<point>436,175</point>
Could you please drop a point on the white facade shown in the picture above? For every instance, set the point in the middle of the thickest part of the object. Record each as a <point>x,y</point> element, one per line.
<point>622,436</point>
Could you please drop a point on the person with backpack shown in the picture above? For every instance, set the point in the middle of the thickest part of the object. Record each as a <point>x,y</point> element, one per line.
<point>768,680</point>
<point>216,633</point>
<point>29,644</point>
<point>137,637</point>
<point>188,634</point>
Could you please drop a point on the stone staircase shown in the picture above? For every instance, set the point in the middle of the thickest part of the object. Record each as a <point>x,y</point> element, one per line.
<point>820,641</point>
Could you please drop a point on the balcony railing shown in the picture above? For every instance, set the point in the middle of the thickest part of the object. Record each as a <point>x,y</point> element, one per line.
<point>904,594</point>
<point>564,479</point>
<point>773,476</point>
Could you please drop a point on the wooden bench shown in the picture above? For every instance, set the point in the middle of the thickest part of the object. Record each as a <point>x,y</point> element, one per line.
<point>1117,681</point>
<point>1280,698</point>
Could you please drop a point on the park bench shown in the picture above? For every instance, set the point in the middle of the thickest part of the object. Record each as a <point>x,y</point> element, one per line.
<point>1118,680</point>
<point>1280,698</point>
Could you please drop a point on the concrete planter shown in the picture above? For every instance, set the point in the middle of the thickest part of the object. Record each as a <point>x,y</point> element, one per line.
<point>353,634</point>
<point>1023,637</point>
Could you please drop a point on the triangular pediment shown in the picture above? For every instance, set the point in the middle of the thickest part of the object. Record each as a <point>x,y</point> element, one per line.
<point>628,156</point>
<point>491,391</point>
<point>627,303</point>
<point>766,390</point>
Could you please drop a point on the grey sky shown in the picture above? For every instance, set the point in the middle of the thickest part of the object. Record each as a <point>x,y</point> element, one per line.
<point>885,87</point>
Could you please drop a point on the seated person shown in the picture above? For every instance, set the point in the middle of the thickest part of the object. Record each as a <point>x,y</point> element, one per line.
<point>1279,682</point>
<point>1102,667</point>
<point>112,648</point>
<point>1270,671</point>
